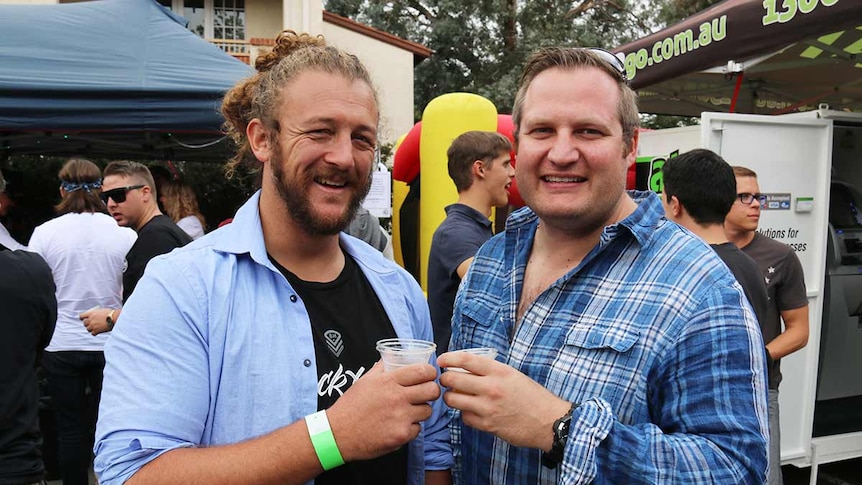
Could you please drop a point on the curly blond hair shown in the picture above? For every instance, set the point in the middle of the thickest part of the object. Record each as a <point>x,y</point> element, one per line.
<point>180,201</point>
<point>258,96</point>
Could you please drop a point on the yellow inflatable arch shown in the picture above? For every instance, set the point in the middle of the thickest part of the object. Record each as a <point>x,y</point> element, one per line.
<point>444,118</point>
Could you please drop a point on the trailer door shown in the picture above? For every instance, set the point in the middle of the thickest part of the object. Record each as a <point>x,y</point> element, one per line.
<point>792,157</point>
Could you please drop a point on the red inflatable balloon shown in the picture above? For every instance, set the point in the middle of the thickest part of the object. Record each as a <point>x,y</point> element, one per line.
<point>405,165</point>
<point>506,128</point>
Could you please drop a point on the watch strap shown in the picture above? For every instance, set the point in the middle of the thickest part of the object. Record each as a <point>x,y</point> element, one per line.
<point>554,457</point>
<point>110,320</point>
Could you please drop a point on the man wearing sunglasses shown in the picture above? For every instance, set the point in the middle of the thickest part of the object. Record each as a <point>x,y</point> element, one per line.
<point>785,286</point>
<point>129,192</point>
<point>626,353</point>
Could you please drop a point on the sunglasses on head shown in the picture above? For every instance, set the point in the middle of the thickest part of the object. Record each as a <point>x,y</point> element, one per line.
<point>118,195</point>
<point>611,59</point>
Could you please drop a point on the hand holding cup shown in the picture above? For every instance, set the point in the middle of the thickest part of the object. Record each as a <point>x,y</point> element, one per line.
<point>401,352</point>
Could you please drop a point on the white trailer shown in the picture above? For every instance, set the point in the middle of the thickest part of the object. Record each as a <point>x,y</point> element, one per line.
<point>805,162</point>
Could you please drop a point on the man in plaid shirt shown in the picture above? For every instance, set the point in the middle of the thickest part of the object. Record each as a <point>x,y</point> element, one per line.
<point>627,351</point>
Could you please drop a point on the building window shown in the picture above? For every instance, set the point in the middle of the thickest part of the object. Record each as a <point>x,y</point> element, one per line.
<point>212,19</point>
<point>229,19</point>
<point>195,12</point>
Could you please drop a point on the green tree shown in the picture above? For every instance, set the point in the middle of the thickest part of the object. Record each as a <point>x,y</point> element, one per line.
<point>480,45</point>
<point>670,12</point>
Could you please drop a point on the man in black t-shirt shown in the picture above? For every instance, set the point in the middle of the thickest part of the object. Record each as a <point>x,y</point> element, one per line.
<point>129,192</point>
<point>699,190</point>
<point>29,313</point>
<point>254,347</point>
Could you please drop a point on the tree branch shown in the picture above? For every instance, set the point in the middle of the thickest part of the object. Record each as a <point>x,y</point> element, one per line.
<point>422,9</point>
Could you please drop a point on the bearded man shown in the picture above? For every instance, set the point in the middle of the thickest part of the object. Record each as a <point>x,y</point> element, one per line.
<point>254,346</point>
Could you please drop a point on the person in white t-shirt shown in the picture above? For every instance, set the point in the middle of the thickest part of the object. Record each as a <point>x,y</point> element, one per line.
<point>181,206</point>
<point>86,251</point>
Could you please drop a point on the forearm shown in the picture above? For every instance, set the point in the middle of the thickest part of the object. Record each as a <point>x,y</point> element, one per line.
<point>791,340</point>
<point>705,417</point>
<point>285,456</point>
<point>679,457</point>
<point>438,477</point>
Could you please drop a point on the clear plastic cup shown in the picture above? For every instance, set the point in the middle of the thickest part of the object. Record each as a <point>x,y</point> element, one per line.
<point>488,352</point>
<point>401,352</point>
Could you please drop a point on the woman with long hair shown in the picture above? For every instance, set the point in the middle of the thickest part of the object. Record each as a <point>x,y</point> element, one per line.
<point>86,251</point>
<point>181,205</point>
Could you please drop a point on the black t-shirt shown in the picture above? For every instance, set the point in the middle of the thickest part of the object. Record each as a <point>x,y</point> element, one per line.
<point>27,319</point>
<point>748,275</point>
<point>745,270</point>
<point>347,320</point>
<point>159,236</point>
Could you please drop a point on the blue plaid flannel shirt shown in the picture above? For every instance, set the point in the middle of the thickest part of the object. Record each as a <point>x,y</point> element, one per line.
<point>653,336</point>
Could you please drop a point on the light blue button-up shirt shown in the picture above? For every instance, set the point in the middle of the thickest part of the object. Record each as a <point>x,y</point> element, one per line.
<point>215,347</point>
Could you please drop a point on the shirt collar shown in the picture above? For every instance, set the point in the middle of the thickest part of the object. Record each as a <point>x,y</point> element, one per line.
<point>245,235</point>
<point>641,223</point>
<point>470,212</point>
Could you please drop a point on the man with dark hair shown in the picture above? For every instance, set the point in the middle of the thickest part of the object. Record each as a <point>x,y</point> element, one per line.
<point>29,312</point>
<point>254,347</point>
<point>628,352</point>
<point>480,164</point>
<point>130,193</point>
<point>785,287</point>
<point>699,190</point>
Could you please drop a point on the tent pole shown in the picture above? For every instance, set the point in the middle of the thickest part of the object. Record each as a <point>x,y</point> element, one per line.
<point>736,92</point>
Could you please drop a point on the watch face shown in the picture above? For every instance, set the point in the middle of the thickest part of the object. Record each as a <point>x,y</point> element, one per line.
<point>561,431</point>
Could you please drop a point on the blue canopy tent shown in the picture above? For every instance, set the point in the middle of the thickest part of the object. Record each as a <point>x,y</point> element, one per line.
<point>110,79</point>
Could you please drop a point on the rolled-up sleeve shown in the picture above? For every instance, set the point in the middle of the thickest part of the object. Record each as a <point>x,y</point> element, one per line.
<point>155,394</point>
<point>708,406</point>
<point>437,445</point>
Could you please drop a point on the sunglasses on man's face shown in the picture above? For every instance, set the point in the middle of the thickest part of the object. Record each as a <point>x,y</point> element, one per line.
<point>118,195</point>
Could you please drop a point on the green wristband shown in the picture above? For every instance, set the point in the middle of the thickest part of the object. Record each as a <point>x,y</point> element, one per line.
<point>323,440</point>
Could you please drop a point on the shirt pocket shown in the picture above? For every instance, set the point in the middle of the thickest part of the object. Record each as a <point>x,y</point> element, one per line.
<point>598,338</point>
<point>480,325</point>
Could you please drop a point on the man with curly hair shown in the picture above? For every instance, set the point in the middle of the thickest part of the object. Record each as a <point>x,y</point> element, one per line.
<point>254,346</point>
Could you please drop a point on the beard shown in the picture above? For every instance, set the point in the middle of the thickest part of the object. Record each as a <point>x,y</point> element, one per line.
<point>293,193</point>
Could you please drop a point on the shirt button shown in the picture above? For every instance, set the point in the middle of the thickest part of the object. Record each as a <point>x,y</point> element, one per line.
<point>306,362</point>
<point>293,298</point>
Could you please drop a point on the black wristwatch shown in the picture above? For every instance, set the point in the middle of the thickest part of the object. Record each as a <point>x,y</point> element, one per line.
<point>109,320</point>
<point>551,459</point>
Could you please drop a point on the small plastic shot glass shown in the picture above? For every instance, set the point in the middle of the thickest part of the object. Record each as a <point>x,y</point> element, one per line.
<point>488,352</point>
<point>401,352</point>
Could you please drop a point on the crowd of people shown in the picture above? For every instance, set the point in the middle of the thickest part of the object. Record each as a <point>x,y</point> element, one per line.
<point>627,349</point>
